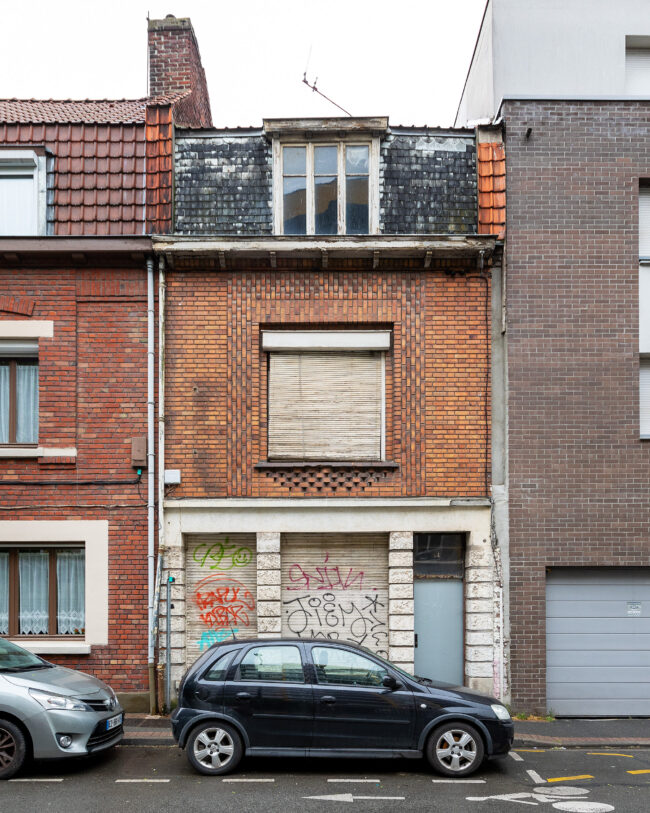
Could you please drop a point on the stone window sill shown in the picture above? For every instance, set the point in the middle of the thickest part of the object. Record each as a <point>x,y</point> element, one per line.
<point>36,451</point>
<point>52,646</point>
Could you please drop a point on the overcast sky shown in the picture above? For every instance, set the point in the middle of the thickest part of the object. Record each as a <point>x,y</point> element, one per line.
<point>405,58</point>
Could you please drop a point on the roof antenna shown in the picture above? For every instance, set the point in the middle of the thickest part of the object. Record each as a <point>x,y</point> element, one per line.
<point>316,90</point>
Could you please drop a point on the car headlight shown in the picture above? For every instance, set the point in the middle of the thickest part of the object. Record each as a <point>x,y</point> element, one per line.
<point>501,711</point>
<point>58,701</point>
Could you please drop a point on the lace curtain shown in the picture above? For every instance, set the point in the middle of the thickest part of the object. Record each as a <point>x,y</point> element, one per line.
<point>70,614</point>
<point>4,403</point>
<point>33,572</point>
<point>4,593</point>
<point>27,406</point>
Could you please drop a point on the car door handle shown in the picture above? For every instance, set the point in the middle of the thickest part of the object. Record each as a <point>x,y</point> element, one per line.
<point>244,696</point>
<point>328,699</point>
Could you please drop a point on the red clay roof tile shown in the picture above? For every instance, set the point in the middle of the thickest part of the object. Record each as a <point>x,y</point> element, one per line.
<point>491,167</point>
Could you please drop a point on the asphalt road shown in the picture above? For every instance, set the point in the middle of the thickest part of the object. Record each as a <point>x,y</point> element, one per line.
<point>159,779</point>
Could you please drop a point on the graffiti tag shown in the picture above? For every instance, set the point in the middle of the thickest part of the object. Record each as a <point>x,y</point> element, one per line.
<point>223,601</point>
<point>327,577</point>
<point>210,637</point>
<point>222,555</point>
<point>326,616</point>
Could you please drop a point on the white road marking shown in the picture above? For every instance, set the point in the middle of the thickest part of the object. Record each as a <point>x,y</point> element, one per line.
<point>133,781</point>
<point>560,792</point>
<point>35,780</point>
<point>348,797</point>
<point>583,807</point>
<point>537,779</point>
<point>460,781</point>
<point>239,779</point>
<point>516,757</point>
<point>505,797</point>
<point>376,781</point>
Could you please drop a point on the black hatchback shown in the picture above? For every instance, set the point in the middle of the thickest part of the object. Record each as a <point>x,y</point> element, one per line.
<point>305,697</point>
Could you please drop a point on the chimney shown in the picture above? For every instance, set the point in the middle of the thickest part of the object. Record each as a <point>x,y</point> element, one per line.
<point>175,67</point>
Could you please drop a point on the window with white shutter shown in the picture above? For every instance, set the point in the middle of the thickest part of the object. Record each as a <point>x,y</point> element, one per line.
<point>22,193</point>
<point>637,71</point>
<point>326,405</point>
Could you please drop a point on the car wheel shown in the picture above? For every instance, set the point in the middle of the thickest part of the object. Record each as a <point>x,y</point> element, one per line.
<point>455,749</point>
<point>214,748</point>
<point>13,749</point>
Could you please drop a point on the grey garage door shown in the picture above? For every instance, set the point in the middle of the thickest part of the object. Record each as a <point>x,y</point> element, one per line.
<point>598,641</point>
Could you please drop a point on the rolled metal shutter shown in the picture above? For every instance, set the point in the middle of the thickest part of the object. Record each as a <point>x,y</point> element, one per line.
<point>221,589</point>
<point>598,641</point>
<point>325,406</point>
<point>335,586</point>
<point>637,71</point>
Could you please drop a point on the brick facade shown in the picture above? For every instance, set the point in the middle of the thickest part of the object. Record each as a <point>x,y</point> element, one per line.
<point>437,406</point>
<point>578,471</point>
<point>92,381</point>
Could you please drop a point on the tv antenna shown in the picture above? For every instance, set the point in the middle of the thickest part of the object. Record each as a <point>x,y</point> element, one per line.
<point>320,93</point>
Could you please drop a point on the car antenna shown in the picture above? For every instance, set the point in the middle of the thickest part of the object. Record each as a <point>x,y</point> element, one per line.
<point>234,637</point>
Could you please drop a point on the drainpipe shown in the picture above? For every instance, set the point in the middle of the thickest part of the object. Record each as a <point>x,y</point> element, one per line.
<point>162,288</point>
<point>150,480</point>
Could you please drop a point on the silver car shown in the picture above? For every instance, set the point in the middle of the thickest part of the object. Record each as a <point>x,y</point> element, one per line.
<point>47,711</point>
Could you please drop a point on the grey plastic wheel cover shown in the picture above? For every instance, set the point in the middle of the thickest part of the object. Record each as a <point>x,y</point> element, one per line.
<point>456,749</point>
<point>213,747</point>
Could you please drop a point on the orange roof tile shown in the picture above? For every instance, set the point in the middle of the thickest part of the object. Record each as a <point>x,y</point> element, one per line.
<point>491,166</point>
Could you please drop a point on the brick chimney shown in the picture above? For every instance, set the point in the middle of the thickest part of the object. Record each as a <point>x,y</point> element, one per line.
<point>175,67</point>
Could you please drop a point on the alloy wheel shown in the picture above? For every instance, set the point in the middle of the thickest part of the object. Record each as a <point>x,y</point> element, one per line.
<point>7,748</point>
<point>456,750</point>
<point>213,748</point>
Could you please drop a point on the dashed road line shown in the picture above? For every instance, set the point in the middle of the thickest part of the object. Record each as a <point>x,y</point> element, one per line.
<point>537,779</point>
<point>569,778</point>
<point>516,757</point>
<point>531,750</point>
<point>645,770</point>
<point>141,781</point>
<point>376,781</point>
<point>240,779</point>
<point>49,779</point>
<point>459,781</point>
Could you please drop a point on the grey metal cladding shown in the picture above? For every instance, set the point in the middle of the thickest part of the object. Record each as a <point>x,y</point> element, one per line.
<point>223,185</point>
<point>427,184</point>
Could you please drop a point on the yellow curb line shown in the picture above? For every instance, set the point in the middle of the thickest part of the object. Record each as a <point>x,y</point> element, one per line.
<point>646,770</point>
<point>607,754</point>
<point>568,778</point>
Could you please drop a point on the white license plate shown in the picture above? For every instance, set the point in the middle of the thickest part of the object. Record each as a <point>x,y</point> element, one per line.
<point>113,722</point>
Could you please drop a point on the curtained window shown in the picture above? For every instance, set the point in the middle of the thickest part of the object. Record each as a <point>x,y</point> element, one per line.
<point>18,392</point>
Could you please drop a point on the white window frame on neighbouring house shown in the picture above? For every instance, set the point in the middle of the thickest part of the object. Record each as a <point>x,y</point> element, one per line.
<point>637,66</point>
<point>327,436</point>
<point>23,193</point>
<point>372,143</point>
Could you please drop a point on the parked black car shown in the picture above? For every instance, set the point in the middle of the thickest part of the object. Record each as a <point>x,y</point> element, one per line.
<point>306,697</point>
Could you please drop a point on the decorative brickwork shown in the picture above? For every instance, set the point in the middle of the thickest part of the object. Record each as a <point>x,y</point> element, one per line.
<point>578,471</point>
<point>437,386</point>
<point>327,478</point>
<point>17,304</point>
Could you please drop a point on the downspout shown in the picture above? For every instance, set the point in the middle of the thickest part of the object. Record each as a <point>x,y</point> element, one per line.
<point>150,478</point>
<point>162,288</point>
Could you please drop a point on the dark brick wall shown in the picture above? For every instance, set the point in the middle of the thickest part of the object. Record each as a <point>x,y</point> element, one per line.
<point>578,471</point>
<point>92,381</point>
<point>437,406</point>
<point>223,184</point>
<point>427,184</point>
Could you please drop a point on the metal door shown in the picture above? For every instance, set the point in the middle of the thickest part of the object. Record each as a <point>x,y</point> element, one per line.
<point>221,584</point>
<point>438,569</point>
<point>598,641</point>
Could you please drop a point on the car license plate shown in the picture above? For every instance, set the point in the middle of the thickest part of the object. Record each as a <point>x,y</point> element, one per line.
<point>113,722</point>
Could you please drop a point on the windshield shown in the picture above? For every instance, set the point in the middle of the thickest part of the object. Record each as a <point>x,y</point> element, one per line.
<point>16,659</point>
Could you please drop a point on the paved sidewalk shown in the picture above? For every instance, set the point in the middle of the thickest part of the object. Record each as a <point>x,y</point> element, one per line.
<point>627,732</point>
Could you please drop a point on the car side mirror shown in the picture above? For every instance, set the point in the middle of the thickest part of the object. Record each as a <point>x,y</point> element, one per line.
<point>389,682</point>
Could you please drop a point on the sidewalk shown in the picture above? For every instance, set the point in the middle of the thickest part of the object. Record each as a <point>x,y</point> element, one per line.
<point>627,732</point>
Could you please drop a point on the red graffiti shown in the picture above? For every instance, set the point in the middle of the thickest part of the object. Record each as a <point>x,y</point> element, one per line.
<point>328,577</point>
<point>223,601</point>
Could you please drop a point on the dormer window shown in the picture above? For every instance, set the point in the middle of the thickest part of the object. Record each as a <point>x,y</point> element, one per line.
<point>326,175</point>
<point>22,193</point>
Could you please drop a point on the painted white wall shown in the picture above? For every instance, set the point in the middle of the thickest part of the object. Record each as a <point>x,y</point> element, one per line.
<point>552,48</point>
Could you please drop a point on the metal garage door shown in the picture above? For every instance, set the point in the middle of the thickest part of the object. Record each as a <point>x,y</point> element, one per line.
<point>598,641</point>
<point>221,579</point>
<point>336,586</point>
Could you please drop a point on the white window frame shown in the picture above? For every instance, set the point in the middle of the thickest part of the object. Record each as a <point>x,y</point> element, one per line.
<point>93,535</point>
<point>28,162</point>
<point>644,307</point>
<point>373,182</point>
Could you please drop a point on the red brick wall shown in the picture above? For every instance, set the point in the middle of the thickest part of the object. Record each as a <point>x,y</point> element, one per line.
<point>175,66</point>
<point>578,471</point>
<point>436,373</point>
<point>92,378</point>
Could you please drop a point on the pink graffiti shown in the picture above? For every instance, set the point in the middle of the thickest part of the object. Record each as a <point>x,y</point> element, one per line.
<point>223,601</point>
<point>328,577</point>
